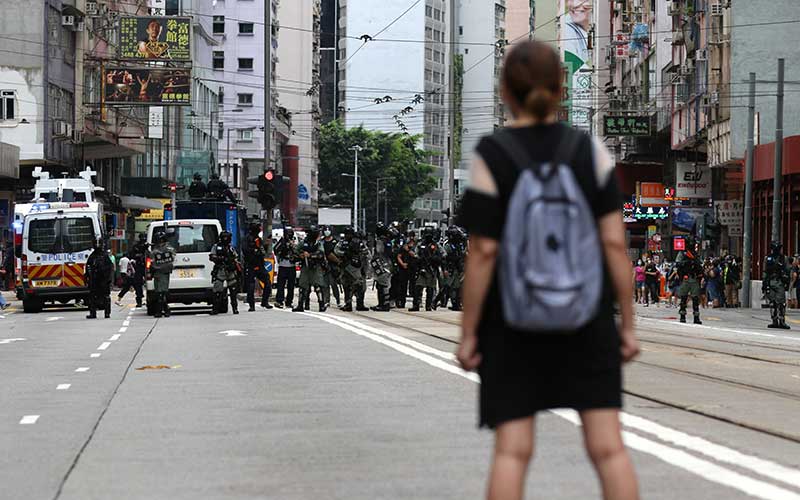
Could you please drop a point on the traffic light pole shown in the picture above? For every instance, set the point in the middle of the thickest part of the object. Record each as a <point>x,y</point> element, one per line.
<point>266,222</point>
<point>748,195</point>
<point>356,149</point>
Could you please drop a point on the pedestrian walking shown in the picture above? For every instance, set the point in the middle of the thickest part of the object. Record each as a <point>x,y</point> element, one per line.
<point>127,272</point>
<point>525,369</point>
<point>639,276</point>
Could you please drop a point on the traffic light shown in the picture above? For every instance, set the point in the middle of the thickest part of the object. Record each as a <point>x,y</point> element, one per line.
<point>266,190</point>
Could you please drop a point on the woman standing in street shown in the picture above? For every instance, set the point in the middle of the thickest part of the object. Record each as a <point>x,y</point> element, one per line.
<point>523,372</point>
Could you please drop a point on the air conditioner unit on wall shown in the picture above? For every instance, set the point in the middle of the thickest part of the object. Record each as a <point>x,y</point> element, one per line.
<point>716,9</point>
<point>701,55</point>
<point>77,136</point>
<point>80,26</point>
<point>91,8</point>
<point>67,20</point>
<point>59,129</point>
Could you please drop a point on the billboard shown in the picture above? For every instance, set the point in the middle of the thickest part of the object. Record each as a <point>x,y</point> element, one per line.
<point>576,22</point>
<point>149,86</point>
<point>651,194</point>
<point>638,126</point>
<point>692,180</point>
<point>335,217</point>
<point>155,38</point>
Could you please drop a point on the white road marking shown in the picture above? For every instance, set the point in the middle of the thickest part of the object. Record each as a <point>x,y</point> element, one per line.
<point>719,329</point>
<point>82,369</point>
<point>11,341</point>
<point>2,316</point>
<point>234,333</point>
<point>63,387</point>
<point>94,355</point>
<point>54,318</point>
<point>126,323</point>
<point>668,454</point>
<point>114,337</point>
<point>103,346</point>
<point>123,329</point>
<point>29,419</point>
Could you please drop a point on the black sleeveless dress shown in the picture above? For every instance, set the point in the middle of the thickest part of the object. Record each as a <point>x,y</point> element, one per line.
<point>523,373</point>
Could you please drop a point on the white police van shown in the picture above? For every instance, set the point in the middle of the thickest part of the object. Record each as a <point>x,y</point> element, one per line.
<point>192,239</point>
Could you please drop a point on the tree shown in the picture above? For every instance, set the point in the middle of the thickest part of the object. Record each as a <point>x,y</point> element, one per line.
<point>392,156</point>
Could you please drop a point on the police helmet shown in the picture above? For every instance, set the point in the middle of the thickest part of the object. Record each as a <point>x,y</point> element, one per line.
<point>288,232</point>
<point>142,237</point>
<point>313,233</point>
<point>381,230</point>
<point>215,177</point>
<point>776,247</point>
<point>197,176</point>
<point>349,232</point>
<point>225,237</point>
<point>161,237</point>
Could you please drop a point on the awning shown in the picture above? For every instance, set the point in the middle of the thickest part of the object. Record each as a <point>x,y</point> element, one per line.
<point>140,203</point>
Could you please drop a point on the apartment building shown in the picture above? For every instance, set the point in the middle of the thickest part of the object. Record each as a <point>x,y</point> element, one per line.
<point>416,82</point>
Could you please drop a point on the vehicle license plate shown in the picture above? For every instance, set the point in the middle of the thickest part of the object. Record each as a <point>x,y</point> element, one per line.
<point>186,273</point>
<point>46,283</point>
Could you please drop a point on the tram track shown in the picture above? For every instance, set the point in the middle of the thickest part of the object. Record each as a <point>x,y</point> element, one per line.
<point>694,409</point>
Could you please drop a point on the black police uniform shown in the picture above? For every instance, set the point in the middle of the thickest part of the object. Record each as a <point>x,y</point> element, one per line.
<point>99,273</point>
<point>774,285</point>
<point>254,255</point>
<point>227,270</point>
<point>138,255</point>
<point>407,256</point>
<point>690,272</point>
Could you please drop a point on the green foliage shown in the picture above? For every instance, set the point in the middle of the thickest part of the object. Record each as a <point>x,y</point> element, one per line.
<point>395,156</point>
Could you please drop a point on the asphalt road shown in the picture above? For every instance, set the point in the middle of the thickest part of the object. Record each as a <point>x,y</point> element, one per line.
<point>278,405</point>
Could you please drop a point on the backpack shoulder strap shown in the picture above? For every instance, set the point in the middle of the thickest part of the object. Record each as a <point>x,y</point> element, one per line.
<point>521,159</point>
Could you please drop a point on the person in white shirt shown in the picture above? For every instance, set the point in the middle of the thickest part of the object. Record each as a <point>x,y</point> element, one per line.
<point>126,271</point>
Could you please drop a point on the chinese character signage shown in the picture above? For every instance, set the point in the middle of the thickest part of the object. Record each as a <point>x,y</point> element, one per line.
<point>651,194</point>
<point>155,38</point>
<point>730,213</point>
<point>638,126</point>
<point>156,86</point>
<point>650,213</point>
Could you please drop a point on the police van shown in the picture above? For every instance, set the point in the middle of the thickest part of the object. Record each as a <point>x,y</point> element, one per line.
<point>57,239</point>
<point>190,280</point>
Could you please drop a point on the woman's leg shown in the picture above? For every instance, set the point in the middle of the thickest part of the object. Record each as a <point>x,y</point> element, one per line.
<point>602,436</point>
<point>513,449</point>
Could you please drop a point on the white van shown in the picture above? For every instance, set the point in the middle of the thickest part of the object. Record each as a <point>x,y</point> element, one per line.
<point>192,239</point>
<point>57,239</point>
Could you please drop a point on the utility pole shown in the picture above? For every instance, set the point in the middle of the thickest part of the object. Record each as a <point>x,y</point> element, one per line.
<point>356,149</point>
<point>747,263</point>
<point>777,195</point>
<point>266,222</point>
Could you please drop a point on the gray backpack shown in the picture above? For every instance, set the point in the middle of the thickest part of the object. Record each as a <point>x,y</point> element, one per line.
<point>551,261</point>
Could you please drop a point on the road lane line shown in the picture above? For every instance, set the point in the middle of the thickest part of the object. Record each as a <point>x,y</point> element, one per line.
<point>29,419</point>
<point>718,452</point>
<point>103,346</point>
<point>82,369</point>
<point>63,387</point>
<point>114,337</point>
<point>126,323</point>
<point>123,329</point>
<point>397,338</point>
<point>718,329</point>
<point>94,355</point>
<point>673,456</point>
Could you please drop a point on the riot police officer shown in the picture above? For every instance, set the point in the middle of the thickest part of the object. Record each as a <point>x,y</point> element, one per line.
<point>197,189</point>
<point>381,263</point>
<point>219,190</point>
<point>331,277</point>
<point>312,266</point>
<point>774,284</point>
<point>162,256</point>
<point>455,252</point>
<point>138,255</point>
<point>254,255</point>
<point>352,251</point>
<point>286,254</point>
<point>406,264</point>
<point>429,261</point>
<point>99,273</point>
<point>690,273</point>
<point>227,270</point>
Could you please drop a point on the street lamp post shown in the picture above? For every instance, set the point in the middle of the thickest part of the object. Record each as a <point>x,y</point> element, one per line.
<point>378,198</point>
<point>356,194</point>
<point>356,150</point>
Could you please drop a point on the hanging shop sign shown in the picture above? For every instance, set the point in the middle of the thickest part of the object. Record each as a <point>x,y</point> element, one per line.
<point>729,212</point>
<point>627,212</point>
<point>158,86</point>
<point>693,180</point>
<point>155,38</point>
<point>635,126</point>
<point>650,213</point>
<point>678,244</point>
<point>651,194</point>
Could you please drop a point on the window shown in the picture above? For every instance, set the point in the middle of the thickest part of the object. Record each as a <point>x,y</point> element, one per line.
<point>428,11</point>
<point>245,28</point>
<point>245,99</point>
<point>218,61</point>
<point>8,105</point>
<point>245,64</point>
<point>190,239</point>
<point>61,235</point>
<point>429,54</point>
<point>460,30</point>
<point>244,135</point>
<point>437,204</point>
<point>428,75</point>
<point>429,33</point>
<point>437,14</point>
<point>218,25</point>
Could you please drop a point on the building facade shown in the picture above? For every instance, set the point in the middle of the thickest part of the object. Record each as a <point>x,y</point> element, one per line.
<point>299,85</point>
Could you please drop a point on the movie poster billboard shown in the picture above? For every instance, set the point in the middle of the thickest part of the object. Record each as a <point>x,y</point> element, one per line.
<point>149,86</point>
<point>576,23</point>
<point>155,38</point>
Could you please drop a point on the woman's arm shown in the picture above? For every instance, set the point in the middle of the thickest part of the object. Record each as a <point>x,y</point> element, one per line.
<point>478,273</point>
<point>612,236</point>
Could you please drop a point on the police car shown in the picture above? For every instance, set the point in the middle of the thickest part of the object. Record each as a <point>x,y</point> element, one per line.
<point>190,280</point>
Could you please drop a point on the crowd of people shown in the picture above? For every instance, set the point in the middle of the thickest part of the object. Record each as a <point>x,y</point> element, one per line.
<point>720,282</point>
